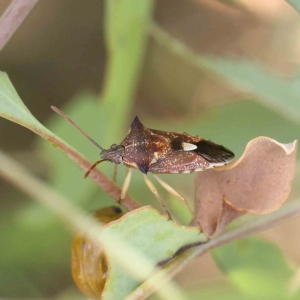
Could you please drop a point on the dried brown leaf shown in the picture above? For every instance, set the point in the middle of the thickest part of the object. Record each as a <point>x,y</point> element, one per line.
<point>259,182</point>
<point>228,213</point>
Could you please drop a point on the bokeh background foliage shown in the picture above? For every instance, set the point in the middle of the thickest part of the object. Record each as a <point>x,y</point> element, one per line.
<point>224,70</point>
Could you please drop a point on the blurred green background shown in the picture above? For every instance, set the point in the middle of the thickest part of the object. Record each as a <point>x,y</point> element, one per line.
<point>223,70</point>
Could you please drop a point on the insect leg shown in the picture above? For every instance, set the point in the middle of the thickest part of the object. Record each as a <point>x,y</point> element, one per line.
<point>174,193</point>
<point>115,173</point>
<point>153,189</point>
<point>126,184</point>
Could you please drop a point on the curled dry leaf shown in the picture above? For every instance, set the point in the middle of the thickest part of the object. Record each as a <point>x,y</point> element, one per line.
<point>89,263</point>
<point>259,182</point>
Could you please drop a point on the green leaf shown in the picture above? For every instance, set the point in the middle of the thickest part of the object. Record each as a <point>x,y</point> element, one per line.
<point>126,34</point>
<point>12,108</point>
<point>154,235</point>
<point>256,267</point>
<point>295,4</point>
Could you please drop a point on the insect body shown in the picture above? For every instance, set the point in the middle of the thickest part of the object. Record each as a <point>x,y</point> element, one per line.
<point>156,151</point>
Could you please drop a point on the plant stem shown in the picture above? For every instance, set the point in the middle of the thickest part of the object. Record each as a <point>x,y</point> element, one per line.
<point>126,35</point>
<point>13,17</point>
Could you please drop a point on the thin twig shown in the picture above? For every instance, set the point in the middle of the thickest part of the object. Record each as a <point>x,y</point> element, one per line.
<point>13,17</point>
<point>135,262</point>
<point>262,223</point>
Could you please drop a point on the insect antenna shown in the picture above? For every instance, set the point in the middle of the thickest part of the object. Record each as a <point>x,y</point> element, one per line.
<point>58,111</point>
<point>93,167</point>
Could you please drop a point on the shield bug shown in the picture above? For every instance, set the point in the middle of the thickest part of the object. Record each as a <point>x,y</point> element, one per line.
<point>159,152</point>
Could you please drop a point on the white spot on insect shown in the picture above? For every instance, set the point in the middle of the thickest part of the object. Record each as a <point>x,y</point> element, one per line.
<point>188,147</point>
<point>217,164</point>
<point>153,161</point>
<point>154,158</point>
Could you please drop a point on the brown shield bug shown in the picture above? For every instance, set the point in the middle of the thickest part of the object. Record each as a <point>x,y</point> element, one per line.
<point>159,152</point>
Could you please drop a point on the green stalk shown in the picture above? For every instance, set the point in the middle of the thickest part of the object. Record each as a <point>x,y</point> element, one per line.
<point>126,33</point>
